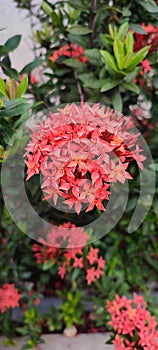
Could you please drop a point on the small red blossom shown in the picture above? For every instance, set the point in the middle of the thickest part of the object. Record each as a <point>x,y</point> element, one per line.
<point>93,255</point>
<point>33,79</point>
<point>145,66</point>
<point>91,277</point>
<point>9,297</point>
<point>70,50</point>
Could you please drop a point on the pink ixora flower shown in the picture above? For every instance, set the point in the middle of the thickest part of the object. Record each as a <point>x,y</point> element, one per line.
<point>9,297</point>
<point>80,151</point>
<point>133,326</point>
<point>66,259</point>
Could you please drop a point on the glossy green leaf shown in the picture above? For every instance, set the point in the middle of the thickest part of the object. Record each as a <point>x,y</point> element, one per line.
<point>72,62</point>
<point>3,88</point>
<point>109,59</point>
<point>80,40</point>
<point>130,76</point>
<point>137,28</point>
<point>11,72</point>
<point>129,42</point>
<point>13,42</point>
<point>123,29</point>
<point>4,50</point>
<point>46,266</point>
<point>93,54</point>
<point>55,18</point>
<point>46,8</point>
<point>149,6</point>
<point>22,87</point>
<point>110,84</point>
<point>77,4</point>
<point>119,52</point>
<point>131,87</point>
<point>79,30</point>
<point>117,101</point>
<point>24,117</point>
<point>14,107</point>
<point>138,57</point>
<point>106,40</point>
<point>32,65</point>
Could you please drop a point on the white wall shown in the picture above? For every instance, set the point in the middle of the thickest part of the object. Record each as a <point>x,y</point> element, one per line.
<point>15,21</point>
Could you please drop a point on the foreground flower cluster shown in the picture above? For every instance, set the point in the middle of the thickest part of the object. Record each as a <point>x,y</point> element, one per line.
<point>133,326</point>
<point>66,260</point>
<point>80,151</point>
<point>9,297</point>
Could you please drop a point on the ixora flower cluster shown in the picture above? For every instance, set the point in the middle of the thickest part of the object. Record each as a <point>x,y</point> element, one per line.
<point>80,151</point>
<point>9,297</point>
<point>148,38</point>
<point>71,50</point>
<point>134,327</point>
<point>67,260</point>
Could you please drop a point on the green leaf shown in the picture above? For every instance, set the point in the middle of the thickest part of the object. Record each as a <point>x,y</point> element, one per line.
<point>154,167</point>
<point>72,62</point>
<point>119,52</point>
<point>11,72</point>
<point>79,30</point>
<point>24,117</point>
<point>117,101</point>
<point>46,8</point>
<point>32,65</point>
<point>47,265</point>
<point>80,40</point>
<point>129,42</point>
<point>110,60</point>
<point>131,87</point>
<point>72,13</point>
<point>138,57</point>
<point>22,87</point>
<point>123,30</point>
<point>126,12</point>
<point>93,54</point>
<point>78,5</point>
<point>3,88</point>
<point>14,103</point>
<point>110,84</point>
<point>149,5</point>
<point>13,42</point>
<point>130,76</point>
<point>137,28</point>
<point>14,108</point>
<point>4,50</point>
<point>106,40</point>
<point>55,18</point>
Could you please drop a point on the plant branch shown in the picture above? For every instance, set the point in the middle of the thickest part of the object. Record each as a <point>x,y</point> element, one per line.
<point>92,22</point>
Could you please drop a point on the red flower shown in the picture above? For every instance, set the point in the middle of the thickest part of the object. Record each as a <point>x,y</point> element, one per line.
<point>33,79</point>
<point>93,255</point>
<point>133,326</point>
<point>150,38</point>
<point>91,277</point>
<point>70,50</point>
<point>9,297</point>
<point>145,66</point>
<point>79,142</point>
